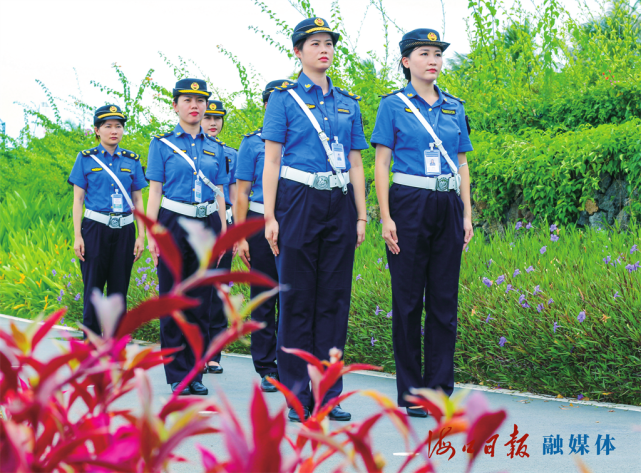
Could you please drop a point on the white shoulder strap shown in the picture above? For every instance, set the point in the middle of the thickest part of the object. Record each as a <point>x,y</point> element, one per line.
<point>207,182</point>
<point>322,136</point>
<point>115,178</point>
<point>429,129</point>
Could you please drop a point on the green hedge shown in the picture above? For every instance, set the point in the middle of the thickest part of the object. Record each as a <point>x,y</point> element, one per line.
<point>557,173</point>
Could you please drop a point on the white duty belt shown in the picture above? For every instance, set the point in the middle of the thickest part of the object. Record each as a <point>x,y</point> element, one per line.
<point>190,210</point>
<point>229,215</point>
<point>443,183</point>
<point>324,181</point>
<point>207,182</point>
<point>257,207</point>
<point>342,180</point>
<point>439,143</point>
<point>112,221</point>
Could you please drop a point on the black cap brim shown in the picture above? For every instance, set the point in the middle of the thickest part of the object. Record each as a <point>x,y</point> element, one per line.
<point>296,37</point>
<point>109,116</point>
<point>196,93</point>
<point>411,45</point>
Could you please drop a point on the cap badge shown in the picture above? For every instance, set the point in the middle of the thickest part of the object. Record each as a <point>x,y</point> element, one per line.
<point>319,22</point>
<point>284,84</point>
<point>432,37</point>
<point>212,106</point>
<point>113,109</point>
<point>194,86</point>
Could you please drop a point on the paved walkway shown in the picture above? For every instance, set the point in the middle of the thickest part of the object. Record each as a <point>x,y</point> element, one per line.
<point>537,417</point>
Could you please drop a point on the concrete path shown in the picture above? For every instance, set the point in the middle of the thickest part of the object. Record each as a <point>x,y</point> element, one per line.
<point>537,417</point>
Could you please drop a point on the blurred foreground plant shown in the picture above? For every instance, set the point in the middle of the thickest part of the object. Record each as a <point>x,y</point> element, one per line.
<point>59,414</point>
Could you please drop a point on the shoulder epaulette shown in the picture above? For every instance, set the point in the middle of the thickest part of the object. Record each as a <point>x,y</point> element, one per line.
<point>87,152</point>
<point>247,135</point>
<point>351,95</point>
<point>130,154</point>
<point>392,93</point>
<point>286,85</point>
<point>455,98</point>
<point>164,135</point>
<point>214,138</point>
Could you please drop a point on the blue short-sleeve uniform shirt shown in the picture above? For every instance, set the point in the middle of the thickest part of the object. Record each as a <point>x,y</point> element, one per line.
<point>338,115</point>
<point>99,185</point>
<point>251,160</point>
<point>231,155</point>
<point>398,129</point>
<point>178,177</point>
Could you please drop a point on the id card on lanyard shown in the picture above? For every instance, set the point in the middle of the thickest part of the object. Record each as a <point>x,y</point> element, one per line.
<point>198,191</point>
<point>116,202</point>
<point>432,161</point>
<point>338,154</point>
<point>432,156</point>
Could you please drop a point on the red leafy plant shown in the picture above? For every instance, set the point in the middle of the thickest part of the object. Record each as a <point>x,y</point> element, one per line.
<point>60,414</point>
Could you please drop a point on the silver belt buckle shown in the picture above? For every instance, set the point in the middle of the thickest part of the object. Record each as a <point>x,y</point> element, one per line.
<point>114,222</point>
<point>321,183</point>
<point>442,184</point>
<point>201,210</point>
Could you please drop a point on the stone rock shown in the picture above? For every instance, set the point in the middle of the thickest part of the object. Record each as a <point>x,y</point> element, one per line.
<point>591,207</point>
<point>599,220</point>
<point>493,227</point>
<point>477,218</point>
<point>584,219</point>
<point>482,205</point>
<point>623,219</point>
<point>604,183</point>
<point>529,216</point>
<point>374,213</point>
<point>613,199</point>
<point>514,212</point>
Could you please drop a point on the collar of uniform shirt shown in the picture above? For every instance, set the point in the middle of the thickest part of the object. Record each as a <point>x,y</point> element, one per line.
<point>304,82</point>
<point>179,132</point>
<point>102,151</point>
<point>410,91</point>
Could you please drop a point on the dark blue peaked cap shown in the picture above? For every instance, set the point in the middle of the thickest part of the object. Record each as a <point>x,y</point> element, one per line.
<point>422,37</point>
<point>191,87</point>
<point>312,26</point>
<point>215,107</point>
<point>269,88</point>
<point>108,112</point>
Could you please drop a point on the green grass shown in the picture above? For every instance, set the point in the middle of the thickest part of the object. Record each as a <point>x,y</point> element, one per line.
<point>598,357</point>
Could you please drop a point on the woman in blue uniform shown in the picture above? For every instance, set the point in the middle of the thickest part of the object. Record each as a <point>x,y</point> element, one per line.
<point>255,251</point>
<point>426,225</point>
<point>186,169</point>
<point>213,123</point>
<point>315,213</point>
<point>108,181</point>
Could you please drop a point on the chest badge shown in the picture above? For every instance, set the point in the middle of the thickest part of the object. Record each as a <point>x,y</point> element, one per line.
<point>448,112</point>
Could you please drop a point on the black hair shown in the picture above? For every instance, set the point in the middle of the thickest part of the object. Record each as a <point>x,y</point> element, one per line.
<point>406,54</point>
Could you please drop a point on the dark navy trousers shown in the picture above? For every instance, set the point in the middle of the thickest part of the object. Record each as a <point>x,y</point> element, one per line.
<point>109,258</point>
<point>217,317</point>
<point>429,227</point>
<point>317,241</point>
<point>263,342</point>
<point>170,334</point>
